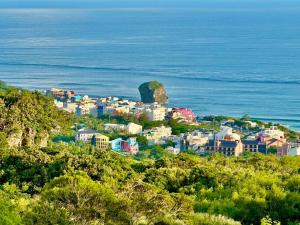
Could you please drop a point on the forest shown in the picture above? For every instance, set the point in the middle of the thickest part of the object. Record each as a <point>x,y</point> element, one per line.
<point>68,183</point>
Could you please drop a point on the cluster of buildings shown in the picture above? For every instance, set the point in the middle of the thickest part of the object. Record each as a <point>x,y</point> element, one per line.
<point>154,112</point>
<point>226,141</point>
<point>231,144</point>
<point>102,142</point>
<point>83,105</point>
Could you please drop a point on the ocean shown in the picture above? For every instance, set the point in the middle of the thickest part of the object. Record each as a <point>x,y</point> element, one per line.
<point>222,59</point>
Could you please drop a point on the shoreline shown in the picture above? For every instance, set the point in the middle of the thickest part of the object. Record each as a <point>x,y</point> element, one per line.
<point>293,127</point>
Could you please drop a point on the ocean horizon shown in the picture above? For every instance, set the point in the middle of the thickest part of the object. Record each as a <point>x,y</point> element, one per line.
<point>222,60</point>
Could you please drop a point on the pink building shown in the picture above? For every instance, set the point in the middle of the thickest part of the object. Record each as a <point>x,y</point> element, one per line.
<point>130,146</point>
<point>182,114</point>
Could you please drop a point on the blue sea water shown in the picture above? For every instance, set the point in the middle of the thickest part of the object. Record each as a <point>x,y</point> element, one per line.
<point>220,58</point>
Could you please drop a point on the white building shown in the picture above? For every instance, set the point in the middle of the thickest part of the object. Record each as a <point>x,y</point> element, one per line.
<point>227,133</point>
<point>157,135</point>
<point>114,127</point>
<point>86,135</point>
<point>197,138</point>
<point>174,150</point>
<point>251,123</point>
<point>86,109</point>
<point>294,151</point>
<point>273,132</point>
<point>70,107</point>
<point>133,128</point>
<point>156,112</point>
<point>58,104</point>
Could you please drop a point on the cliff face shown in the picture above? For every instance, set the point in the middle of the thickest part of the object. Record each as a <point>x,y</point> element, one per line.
<point>28,118</point>
<point>28,138</point>
<point>153,91</point>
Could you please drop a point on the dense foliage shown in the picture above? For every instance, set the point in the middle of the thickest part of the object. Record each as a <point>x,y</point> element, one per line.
<point>28,118</point>
<point>71,183</point>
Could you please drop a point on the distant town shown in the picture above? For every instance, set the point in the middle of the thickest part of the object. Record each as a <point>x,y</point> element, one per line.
<point>204,136</point>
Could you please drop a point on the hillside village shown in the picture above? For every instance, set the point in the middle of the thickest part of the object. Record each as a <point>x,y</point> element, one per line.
<point>122,168</point>
<point>227,137</point>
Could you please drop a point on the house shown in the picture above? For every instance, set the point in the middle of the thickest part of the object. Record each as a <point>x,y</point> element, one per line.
<point>133,128</point>
<point>116,144</point>
<point>283,150</point>
<point>69,106</point>
<point>86,107</point>
<point>82,110</point>
<point>182,115</point>
<point>295,151</point>
<point>278,142</point>
<point>129,146</point>
<point>174,150</point>
<point>75,98</point>
<point>60,94</point>
<point>194,140</point>
<point>156,112</point>
<point>272,132</point>
<point>130,128</point>
<point>69,94</point>
<point>251,123</point>
<point>100,141</point>
<point>114,127</point>
<point>85,135</point>
<point>226,133</point>
<point>57,93</point>
<point>157,135</point>
<point>59,104</point>
<point>228,148</point>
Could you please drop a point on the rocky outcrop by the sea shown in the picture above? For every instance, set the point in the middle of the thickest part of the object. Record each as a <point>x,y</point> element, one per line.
<point>153,91</point>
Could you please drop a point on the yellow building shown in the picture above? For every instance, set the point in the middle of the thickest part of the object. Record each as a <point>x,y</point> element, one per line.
<point>101,141</point>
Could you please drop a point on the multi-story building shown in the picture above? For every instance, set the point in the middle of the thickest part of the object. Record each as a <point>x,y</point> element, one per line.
<point>228,148</point>
<point>129,146</point>
<point>133,128</point>
<point>251,145</point>
<point>156,112</point>
<point>157,135</point>
<point>272,132</point>
<point>255,146</point>
<point>100,141</point>
<point>86,107</point>
<point>226,133</point>
<point>60,94</point>
<point>85,135</point>
<point>196,139</point>
<point>82,110</point>
<point>182,114</point>
<point>273,137</point>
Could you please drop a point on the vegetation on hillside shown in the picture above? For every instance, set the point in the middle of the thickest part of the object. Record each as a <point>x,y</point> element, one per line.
<point>75,184</point>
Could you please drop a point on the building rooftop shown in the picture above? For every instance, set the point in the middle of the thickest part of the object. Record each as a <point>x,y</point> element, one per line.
<point>228,144</point>
<point>87,131</point>
<point>250,142</point>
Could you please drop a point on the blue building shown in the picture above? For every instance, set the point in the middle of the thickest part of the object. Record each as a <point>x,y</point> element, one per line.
<point>75,98</point>
<point>116,144</point>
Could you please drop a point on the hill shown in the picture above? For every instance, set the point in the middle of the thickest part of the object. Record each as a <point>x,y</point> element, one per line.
<point>76,184</point>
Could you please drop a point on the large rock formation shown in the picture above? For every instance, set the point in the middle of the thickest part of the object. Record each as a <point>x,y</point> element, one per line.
<point>153,91</point>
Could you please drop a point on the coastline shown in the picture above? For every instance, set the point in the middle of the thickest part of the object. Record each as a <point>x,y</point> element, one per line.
<point>288,123</point>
